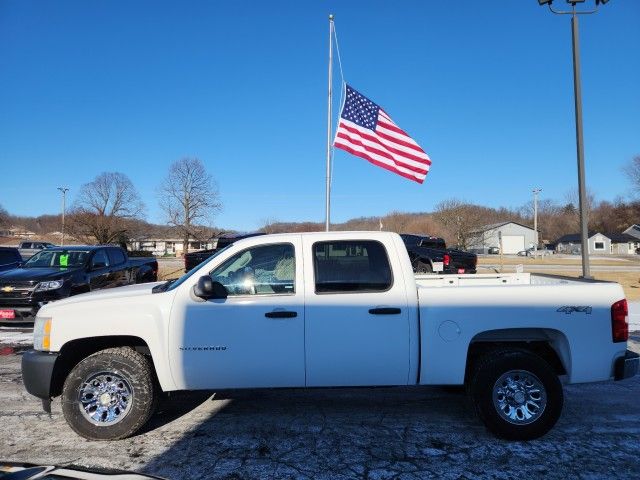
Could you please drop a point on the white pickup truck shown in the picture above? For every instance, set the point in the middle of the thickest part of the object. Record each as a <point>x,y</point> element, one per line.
<point>324,310</point>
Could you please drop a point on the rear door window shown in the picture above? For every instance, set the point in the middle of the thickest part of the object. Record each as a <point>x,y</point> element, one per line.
<point>351,266</point>
<point>116,256</point>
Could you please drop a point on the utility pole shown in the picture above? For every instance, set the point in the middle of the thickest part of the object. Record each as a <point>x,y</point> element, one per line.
<point>577,95</point>
<point>64,191</point>
<point>536,191</point>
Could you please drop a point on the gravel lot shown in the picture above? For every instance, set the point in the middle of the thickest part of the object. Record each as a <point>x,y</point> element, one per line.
<point>380,433</point>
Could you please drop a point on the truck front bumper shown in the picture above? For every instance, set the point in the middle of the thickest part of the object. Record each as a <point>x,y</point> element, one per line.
<point>37,372</point>
<point>627,366</point>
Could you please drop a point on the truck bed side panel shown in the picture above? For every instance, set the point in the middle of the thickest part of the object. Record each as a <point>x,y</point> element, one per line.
<point>452,316</point>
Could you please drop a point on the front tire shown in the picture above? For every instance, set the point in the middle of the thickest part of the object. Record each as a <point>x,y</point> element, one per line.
<point>517,394</point>
<point>109,395</point>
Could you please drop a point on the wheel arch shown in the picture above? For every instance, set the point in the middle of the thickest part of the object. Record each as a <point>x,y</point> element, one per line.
<point>74,351</point>
<point>550,344</point>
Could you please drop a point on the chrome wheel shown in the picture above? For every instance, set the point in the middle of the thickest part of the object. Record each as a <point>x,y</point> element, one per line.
<point>519,397</point>
<point>105,398</point>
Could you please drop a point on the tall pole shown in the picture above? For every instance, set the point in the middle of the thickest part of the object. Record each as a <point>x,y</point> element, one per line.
<point>328,176</point>
<point>64,191</point>
<point>582,191</point>
<point>536,191</point>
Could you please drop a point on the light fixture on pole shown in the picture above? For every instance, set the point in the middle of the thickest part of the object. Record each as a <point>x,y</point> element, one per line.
<point>64,191</point>
<point>577,90</point>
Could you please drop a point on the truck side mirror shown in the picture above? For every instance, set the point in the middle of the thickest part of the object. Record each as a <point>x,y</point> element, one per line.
<point>209,290</point>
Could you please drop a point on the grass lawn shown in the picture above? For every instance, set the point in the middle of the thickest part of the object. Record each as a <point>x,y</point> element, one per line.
<point>167,272</point>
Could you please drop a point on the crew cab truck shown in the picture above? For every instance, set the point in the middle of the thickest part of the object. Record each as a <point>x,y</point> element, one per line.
<point>59,272</point>
<point>430,254</point>
<point>325,310</point>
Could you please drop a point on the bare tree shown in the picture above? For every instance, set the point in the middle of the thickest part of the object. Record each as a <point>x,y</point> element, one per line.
<point>632,170</point>
<point>460,218</point>
<point>103,208</point>
<point>270,225</point>
<point>189,196</point>
<point>573,205</point>
<point>4,217</point>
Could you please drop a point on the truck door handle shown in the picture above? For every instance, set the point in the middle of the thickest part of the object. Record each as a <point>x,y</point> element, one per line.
<point>384,311</point>
<point>281,314</point>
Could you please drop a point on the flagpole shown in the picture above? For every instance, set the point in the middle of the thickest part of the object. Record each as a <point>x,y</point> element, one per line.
<point>328,176</point>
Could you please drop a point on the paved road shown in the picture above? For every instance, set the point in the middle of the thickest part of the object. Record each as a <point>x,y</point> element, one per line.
<point>381,433</point>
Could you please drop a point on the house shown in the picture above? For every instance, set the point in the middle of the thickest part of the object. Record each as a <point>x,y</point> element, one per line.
<point>169,246</point>
<point>634,231</point>
<point>515,237</point>
<point>624,244</point>
<point>599,243</point>
<point>18,232</point>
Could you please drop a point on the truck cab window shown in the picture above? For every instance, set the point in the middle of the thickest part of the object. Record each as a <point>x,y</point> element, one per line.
<point>100,260</point>
<point>351,266</point>
<point>261,270</point>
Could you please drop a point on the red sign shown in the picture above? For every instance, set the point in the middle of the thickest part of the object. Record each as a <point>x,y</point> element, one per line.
<point>7,314</point>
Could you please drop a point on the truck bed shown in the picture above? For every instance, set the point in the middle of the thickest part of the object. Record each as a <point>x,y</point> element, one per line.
<point>493,279</point>
<point>571,314</point>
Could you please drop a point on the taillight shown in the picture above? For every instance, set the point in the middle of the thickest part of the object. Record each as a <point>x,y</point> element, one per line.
<point>620,321</point>
<point>446,259</point>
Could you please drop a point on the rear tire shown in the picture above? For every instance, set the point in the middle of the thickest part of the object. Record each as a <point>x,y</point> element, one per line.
<point>517,394</point>
<point>423,267</point>
<point>109,395</point>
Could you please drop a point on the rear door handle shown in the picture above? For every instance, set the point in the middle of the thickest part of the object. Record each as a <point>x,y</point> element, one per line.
<point>281,314</point>
<point>385,311</point>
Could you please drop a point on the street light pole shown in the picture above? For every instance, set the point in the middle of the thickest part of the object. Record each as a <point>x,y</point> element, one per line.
<point>582,190</point>
<point>536,191</point>
<point>577,90</point>
<point>64,191</point>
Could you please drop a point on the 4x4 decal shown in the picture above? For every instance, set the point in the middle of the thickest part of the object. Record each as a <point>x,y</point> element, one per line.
<point>580,309</point>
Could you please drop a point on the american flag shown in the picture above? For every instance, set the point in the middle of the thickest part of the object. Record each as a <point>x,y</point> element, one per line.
<point>365,130</point>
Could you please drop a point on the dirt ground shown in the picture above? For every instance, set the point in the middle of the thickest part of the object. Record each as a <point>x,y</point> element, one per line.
<point>381,433</point>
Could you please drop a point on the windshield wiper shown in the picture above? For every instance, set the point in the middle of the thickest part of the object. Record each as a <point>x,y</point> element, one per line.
<point>162,287</point>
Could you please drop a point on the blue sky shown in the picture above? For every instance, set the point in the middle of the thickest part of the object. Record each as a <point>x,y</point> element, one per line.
<point>485,87</point>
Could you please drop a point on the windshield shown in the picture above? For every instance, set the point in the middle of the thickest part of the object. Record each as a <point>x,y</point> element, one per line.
<point>185,277</point>
<point>58,259</point>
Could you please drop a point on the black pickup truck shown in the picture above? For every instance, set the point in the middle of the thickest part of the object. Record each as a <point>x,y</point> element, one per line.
<point>424,251</point>
<point>194,259</point>
<point>60,272</point>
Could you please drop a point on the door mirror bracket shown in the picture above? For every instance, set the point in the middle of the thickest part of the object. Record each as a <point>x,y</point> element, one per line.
<point>208,289</point>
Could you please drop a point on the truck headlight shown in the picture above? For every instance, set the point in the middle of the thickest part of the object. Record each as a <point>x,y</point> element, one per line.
<point>52,285</point>
<point>42,333</point>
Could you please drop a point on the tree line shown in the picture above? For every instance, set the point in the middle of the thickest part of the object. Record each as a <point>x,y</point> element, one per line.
<point>109,210</point>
